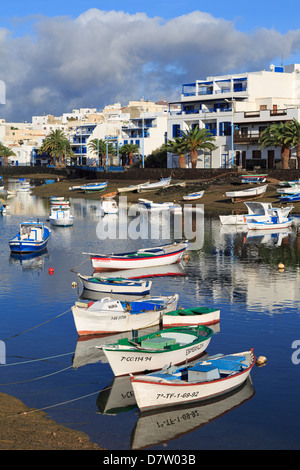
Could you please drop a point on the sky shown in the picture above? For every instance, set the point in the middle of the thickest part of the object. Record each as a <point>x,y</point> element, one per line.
<point>56,56</point>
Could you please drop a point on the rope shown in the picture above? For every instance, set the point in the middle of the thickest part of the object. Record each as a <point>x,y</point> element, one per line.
<point>30,329</point>
<point>35,360</point>
<point>73,269</point>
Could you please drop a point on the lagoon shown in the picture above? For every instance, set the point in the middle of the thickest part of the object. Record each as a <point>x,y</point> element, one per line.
<point>48,367</point>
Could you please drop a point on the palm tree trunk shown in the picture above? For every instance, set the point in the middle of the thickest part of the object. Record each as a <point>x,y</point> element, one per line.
<point>194,158</point>
<point>285,156</point>
<point>181,161</point>
<point>6,161</point>
<point>298,156</point>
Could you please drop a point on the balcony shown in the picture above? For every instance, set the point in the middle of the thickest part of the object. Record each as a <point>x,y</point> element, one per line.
<point>249,137</point>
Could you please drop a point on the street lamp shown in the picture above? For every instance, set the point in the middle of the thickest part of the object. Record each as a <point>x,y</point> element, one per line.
<point>232,130</point>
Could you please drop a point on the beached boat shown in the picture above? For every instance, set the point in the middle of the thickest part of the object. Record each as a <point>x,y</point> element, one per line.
<point>163,183</point>
<point>253,178</point>
<point>290,197</point>
<point>56,198</point>
<point>116,285</point>
<point>113,316</point>
<point>154,351</point>
<point>290,190</point>
<point>131,188</point>
<point>259,210</point>
<point>32,237</point>
<point>193,196</point>
<point>91,187</point>
<point>147,204</point>
<point>239,195</point>
<point>60,203</point>
<point>191,316</point>
<point>200,381</point>
<point>74,188</point>
<point>143,258</point>
<point>61,216</point>
<point>276,221</point>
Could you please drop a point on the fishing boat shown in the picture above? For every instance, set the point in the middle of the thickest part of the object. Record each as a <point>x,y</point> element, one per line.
<point>92,187</point>
<point>56,198</point>
<point>108,205</point>
<point>116,285</point>
<point>290,197</point>
<point>253,178</point>
<point>131,188</point>
<point>147,204</point>
<point>61,216</point>
<point>199,381</point>
<point>275,221</point>
<point>191,316</point>
<point>32,237</point>
<point>74,188</point>
<point>113,316</point>
<point>259,210</point>
<point>155,271</point>
<point>60,203</point>
<point>240,195</point>
<point>163,183</point>
<point>193,196</point>
<point>143,258</point>
<point>290,190</point>
<point>155,350</point>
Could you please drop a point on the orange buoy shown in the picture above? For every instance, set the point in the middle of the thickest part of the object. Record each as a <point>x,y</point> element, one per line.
<point>51,271</point>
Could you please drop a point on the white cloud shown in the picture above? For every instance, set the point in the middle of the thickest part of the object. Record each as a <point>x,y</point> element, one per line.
<point>101,57</point>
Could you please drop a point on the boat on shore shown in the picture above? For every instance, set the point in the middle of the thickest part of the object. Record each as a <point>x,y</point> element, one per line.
<point>32,237</point>
<point>92,187</point>
<point>290,197</point>
<point>113,316</point>
<point>240,195</point>
<point>193,196</point>
<point>115,285</point>
<point>153,351</point>
<point>191,316</point>
<point>201,380</point>
<point>143,258</point>
<point>253,178</point>
<point>163,183</point>
<point>147,204</point>
<point>131,188</point>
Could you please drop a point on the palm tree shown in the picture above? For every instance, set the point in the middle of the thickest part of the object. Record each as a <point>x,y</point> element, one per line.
<point>127,150</point>
<point>178,147</point>
<point>197,139</point>
<point>293,130</point>
<point>98,146</point>
<point>57,146</point>
<point>6,153</point>
<point>277,135</point>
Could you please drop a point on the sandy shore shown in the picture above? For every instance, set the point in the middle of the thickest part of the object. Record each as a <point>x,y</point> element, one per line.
<point>25,429</point>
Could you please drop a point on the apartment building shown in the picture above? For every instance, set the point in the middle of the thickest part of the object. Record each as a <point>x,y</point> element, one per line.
<point>236,109</point>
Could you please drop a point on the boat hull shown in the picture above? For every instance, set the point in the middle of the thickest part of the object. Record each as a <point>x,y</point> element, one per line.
<point>126,286</point>
<point>90,322</point>
<point>191,317</point>
<point>20,246</point>
<point>125,361</point>
<point>269,226</point>
<point>151,394</point>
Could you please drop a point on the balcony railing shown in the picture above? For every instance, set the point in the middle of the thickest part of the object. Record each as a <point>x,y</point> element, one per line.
<point>247,137</point>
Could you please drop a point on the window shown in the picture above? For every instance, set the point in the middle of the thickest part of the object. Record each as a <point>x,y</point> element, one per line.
<point>176,130</point>
<point>256,154</point>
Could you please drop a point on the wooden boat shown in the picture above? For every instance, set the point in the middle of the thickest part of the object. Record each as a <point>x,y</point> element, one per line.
<point>193,196</point>
<point>240,195</point>
<point>32,237</point>
<point>91,187</point>
<point>200,381</point>
<point>61,216</point>
<point>290,197</point>
<point>143,258</point>
<point>258,210</point>
<point>163,183</point>
<point>253,178</point>
<point>290,190</point>
<point>108,205</point>
<point>191,316</point>
<point>74,188</point>
<point>275,221</point>
<point>155,271</point>
<point>58,203</point>
<point>155,350</point>
<point>116,285</point>
<point>56,198</point>
<point>113,316</point>
<point>131,188</point>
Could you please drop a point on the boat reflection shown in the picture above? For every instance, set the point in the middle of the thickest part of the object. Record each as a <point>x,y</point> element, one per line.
<point>154,429</point>
<point>117,397</point>
<point>268,237</point>
<point>30,261</point>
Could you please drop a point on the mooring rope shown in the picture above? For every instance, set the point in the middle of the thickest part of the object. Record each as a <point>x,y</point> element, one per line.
<point>35,360</point>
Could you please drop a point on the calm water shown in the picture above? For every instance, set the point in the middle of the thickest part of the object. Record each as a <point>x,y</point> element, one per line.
<point>72,383</point>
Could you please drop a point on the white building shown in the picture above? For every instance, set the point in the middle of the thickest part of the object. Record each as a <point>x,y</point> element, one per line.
<point>235,109</point>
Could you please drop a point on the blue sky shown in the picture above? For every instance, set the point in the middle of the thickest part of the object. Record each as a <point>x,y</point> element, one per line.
<point>60,55</point>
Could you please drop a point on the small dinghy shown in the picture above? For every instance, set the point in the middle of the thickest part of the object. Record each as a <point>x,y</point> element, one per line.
<point>191,316</point>
<point>115,285</point>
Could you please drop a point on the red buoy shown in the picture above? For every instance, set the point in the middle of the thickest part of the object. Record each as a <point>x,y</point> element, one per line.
<point>51,271</point>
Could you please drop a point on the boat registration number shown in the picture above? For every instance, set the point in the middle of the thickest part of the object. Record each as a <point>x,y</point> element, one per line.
<point>177,395</point>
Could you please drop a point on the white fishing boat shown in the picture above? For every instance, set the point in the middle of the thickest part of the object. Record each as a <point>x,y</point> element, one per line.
<point>33,237</point>
<point>113,316</point>
<point>143,258</point>
<point>163,183</point>
<point>258,210</point>
<point>56,198</point>
<point>257,191</point>
<point>193,196</point>
<point>147,204</point>
<point>59,203</point>
<point>115,285</point>
<point>92,187</point>
<point>275,221</point>
<point>131,188</point>
<point>108,204</point>
<point>191,316</point>
<point>200,381</point>
<point>290,190</point>
<point>175,269</point>
<point>253,178</point>
<point>155,350</point>
<point>61,216</point>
